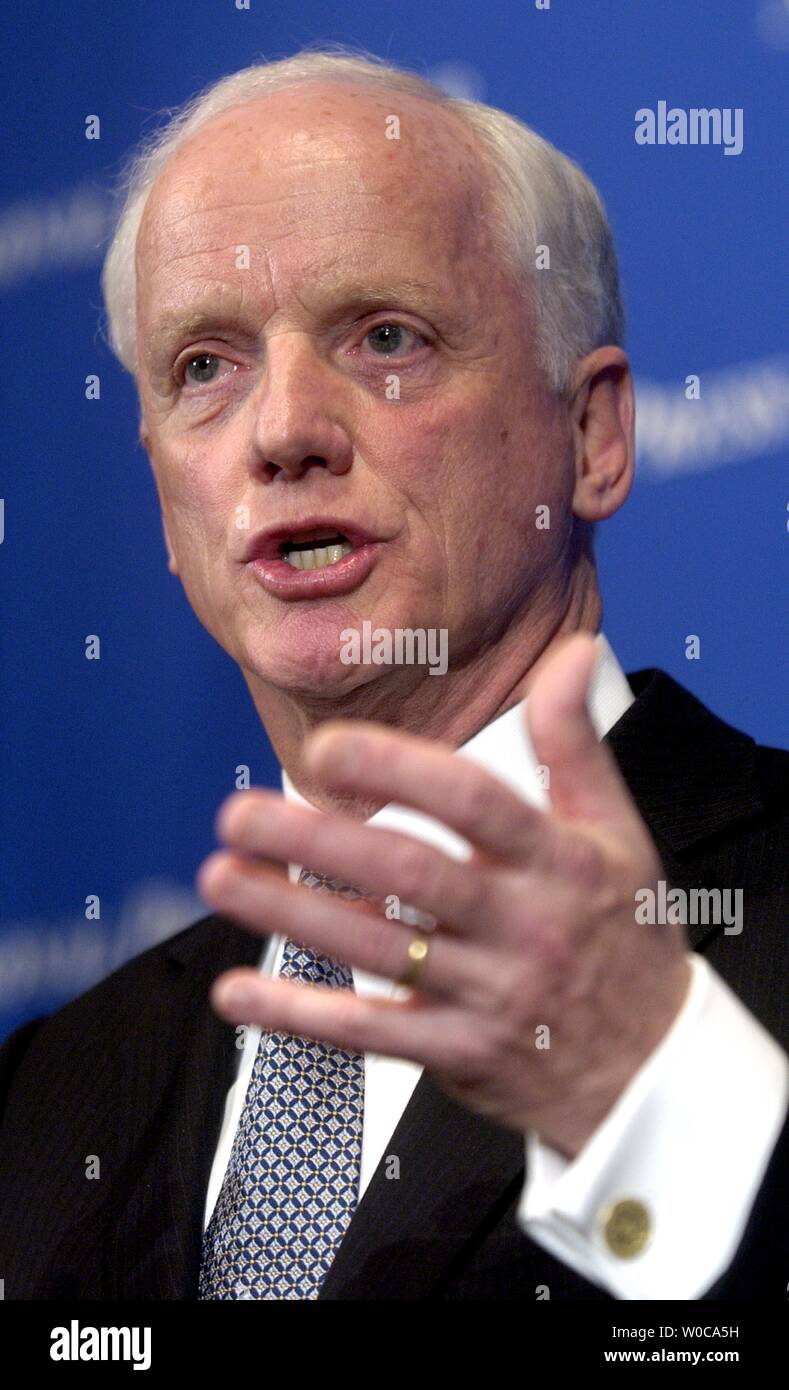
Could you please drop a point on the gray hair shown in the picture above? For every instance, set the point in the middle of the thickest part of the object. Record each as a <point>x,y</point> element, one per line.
<point>539,197</point>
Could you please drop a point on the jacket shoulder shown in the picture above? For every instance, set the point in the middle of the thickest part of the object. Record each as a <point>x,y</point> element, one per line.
<point>773,766</point>
<point>695,777</point>
<point>122,1005</point>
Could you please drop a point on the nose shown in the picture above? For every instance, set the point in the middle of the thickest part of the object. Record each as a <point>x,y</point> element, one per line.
<point>296,423</point>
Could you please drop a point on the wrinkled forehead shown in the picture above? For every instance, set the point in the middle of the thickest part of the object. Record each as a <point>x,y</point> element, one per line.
<point>326,160</point>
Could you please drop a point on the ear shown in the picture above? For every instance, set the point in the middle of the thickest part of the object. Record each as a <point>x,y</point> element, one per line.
<point>172,563</point>
<point>602,415</point>
<point>145,440</point>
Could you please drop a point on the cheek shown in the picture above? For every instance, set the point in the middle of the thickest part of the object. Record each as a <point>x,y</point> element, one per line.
<point>431,455</point>
<point>197,498</point>
<point>199,511</point>
<point>469,472</point>
<point>482,469</point>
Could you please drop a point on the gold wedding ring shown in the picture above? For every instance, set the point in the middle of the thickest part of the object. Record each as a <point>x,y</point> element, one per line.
<point>417,955</point>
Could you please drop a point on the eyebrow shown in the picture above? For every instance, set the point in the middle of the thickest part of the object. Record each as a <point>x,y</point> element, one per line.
<point>358,295</point>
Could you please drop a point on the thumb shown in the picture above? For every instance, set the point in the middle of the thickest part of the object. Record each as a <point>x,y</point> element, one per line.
<point>585,782</point>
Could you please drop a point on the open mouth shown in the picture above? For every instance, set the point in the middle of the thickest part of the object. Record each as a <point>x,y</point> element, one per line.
<point>314,557</point>
<point>314,550</point>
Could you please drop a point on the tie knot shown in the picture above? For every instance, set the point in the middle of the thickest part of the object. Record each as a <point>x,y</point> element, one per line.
<point>303,962</point>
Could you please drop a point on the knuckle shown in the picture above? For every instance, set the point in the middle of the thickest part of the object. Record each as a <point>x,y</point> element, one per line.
<point>585,862</point>
<point>511,1002</point>
<point>475,1053</point>
<point>470,892</point>
<point>552,951</point>
<point>383,957</point>
<point>352,1023</point>
<point>356,933</point>
<point>476,801</point>
<point>414,869</point>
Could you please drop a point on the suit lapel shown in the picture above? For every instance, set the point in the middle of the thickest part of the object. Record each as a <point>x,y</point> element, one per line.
<point>452,1168</point>
<point>182,1086</point>
<point>691,776</point>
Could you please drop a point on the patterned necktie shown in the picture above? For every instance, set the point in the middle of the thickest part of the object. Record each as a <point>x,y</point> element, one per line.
<point>292,1179</point>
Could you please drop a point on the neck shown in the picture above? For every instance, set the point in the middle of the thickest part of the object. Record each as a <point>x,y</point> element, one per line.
<point>450,708</point>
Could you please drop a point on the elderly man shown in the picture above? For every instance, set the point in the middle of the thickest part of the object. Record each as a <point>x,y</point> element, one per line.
<point>452,1031</point>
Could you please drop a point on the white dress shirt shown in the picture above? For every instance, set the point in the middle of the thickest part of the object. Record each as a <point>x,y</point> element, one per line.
<point>689,1138</point>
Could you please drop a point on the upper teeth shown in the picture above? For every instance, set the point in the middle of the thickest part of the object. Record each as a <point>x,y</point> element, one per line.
<point>315,557</point>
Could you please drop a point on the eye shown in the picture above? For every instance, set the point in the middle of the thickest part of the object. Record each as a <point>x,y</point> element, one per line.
<point>201,370</point>
<point>385,338</point>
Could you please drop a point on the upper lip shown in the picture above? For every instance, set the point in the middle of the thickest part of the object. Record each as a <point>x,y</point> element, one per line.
<point>264,545</point>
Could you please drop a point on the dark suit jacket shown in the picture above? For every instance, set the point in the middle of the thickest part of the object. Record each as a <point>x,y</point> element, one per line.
<point>136,1072</point>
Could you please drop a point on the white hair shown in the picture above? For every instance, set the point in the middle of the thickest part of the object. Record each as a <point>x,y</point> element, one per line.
<point>539,198</point>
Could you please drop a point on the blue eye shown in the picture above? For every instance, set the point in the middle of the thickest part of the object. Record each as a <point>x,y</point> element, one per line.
<point>392,337</point>
<point>204,373</point>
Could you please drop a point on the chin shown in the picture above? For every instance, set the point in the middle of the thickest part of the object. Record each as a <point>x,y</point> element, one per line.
<point>327,682</point>
<point>311,667</point>
<point>306,650</point>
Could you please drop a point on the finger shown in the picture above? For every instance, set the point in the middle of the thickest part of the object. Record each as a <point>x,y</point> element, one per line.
<point>382,863</point>
<point>585,781</point>
<point>439,1038</point>
<point>417,772</point>
<point>353,932</point>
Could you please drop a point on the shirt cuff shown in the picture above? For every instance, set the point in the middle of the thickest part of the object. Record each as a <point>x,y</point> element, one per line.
<point>656,1203</point>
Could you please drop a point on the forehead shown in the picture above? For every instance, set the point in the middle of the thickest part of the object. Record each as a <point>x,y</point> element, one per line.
<point>303,173</point>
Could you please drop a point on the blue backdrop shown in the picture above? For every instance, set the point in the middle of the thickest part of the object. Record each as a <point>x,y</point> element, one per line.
<point>114,768</point>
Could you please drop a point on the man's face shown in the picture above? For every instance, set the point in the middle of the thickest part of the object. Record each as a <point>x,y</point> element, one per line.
<point>365,363</point>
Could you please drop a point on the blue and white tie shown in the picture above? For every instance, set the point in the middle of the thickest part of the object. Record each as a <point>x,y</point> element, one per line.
<point>292,1179</point>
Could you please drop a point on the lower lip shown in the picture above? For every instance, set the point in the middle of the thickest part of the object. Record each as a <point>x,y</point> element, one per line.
<point>281,579</point>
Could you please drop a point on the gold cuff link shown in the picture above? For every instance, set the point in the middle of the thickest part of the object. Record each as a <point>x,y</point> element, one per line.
<point>627,1227</point>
